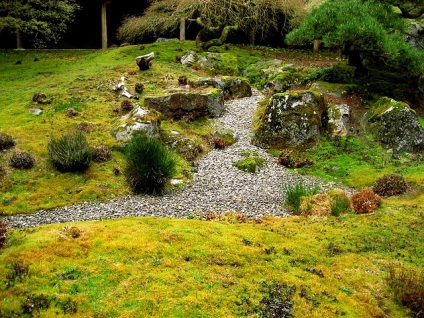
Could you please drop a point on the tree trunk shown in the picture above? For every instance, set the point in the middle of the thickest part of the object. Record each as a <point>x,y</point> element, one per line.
<point>316,45</point>
<point>18,39</point>
<point>204,45</point>
<point>104,25</point>
<point>252,37</point>
<point>182,29</point>
<point>354,59</point>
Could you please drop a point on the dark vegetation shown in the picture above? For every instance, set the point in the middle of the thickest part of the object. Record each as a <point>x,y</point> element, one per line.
<point>389,185</point>
<point>365,201</point>
<point>21,160</point>
<point>149,165</point>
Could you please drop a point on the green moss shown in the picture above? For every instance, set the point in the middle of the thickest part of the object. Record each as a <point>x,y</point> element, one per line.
<point>383,105</point>
<point>341,90</point>
<point>251,163</point>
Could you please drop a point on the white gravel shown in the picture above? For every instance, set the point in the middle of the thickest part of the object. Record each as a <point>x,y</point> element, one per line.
<point>218,186</point>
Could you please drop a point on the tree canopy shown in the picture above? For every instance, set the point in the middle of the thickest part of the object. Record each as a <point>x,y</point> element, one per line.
<point>216,18</point>
<point>44,20</point>
<point>371,29</point>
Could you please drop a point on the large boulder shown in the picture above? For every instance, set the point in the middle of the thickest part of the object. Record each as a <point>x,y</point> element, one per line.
<point>395,125</point>
<point>138,120</point>
<point>291,120</point>
<point>233,87</point>
<point>208,102</point>
<point>217,63</point>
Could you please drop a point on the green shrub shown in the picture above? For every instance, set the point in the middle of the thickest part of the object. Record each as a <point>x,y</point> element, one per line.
<point>21,160</point>
<point>149,165</point>
<point>101,154</point>
<point>295,193</point>
<point>70,152</point>
<point>408,287</point>
<point>389,185</point>
<point>6,141</point>
<point>340,202</point>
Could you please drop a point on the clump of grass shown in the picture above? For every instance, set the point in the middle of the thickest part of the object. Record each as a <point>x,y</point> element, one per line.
<point>70,152</point>
<point>101,154</point>
<point>21,160</point>
<point>365,201</point>
<point>6,141</point>
<point>4,227</point>
<point>389,185</point>
<point>295,193</point>
<point>340,202</point>
<point>149,165</point>
<point>408,287</point>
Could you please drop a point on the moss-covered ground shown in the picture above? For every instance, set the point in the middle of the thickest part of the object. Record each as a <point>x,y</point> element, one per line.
<point>147,267</point>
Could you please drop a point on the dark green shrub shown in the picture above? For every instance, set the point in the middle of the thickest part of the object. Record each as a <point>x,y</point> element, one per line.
<point>6,141</point>
<point>101,154</point>
<point>295,193</point>
<point>21,160</point>
<point>389,185</point>
<point>70,152</point>
<point>277,300</point>
<point>149,165</point>
<point>408,287</point>
<point>4,227</point>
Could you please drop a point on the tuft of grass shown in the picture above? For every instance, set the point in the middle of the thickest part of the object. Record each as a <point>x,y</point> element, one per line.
<point>294,194</point>
<point>149,165</point>
<point>70,152</point>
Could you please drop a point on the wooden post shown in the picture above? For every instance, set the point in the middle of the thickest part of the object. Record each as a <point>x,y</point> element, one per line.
<point>182,29</point>
<point>18,39</point>
<point>104,24</point>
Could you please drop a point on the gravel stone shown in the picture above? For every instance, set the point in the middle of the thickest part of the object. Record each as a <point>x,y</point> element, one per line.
<point>217,186</point>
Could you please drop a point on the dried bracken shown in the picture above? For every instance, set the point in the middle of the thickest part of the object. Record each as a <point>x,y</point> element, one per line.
<point>126,105</point>
<point>389,185</point>
<point>365,201</point>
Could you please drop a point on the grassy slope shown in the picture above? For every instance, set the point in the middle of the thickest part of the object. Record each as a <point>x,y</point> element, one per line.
<point>191,268</point>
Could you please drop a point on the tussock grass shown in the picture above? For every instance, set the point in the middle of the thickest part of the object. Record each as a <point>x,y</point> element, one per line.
<point>178,268</point>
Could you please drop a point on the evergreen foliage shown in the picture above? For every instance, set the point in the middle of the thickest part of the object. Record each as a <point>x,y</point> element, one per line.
<point>149,165</point>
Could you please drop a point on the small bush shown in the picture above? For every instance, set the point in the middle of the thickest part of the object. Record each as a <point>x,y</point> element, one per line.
<point>149,165</point>
<point>6,141</point>
<point>21,160</point>
<point>340,202</point>
<point>4,227</point>
<point>277,300</point>
<point>126,105</point>
<point>365,201</point>
<point>218,142</point>
<point>70,152</point>
<point>408,287</point>
<point>294,195</point>
<point>389,185</point>
<point>101,154</point>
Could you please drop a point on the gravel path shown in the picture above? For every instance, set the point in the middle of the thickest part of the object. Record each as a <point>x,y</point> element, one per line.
<point>217,186</point>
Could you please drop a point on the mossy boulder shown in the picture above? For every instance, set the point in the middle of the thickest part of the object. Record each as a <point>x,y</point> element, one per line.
<point>338,117</point>
<point>291,120</point>
<point>208,102</point>
<point>232,87</point>
<point>216,63</point>
<point>139,119</point>
<point>334,89</point>
<point>395,125</point>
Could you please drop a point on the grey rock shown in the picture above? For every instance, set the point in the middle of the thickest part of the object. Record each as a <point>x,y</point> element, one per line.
<point>338,116</point>
<point>233,87</point>
<point>35,111</point>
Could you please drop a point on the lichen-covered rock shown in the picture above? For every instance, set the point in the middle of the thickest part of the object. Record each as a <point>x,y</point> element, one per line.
<point>395,125</point>
<point>233,87</point>
<point>291,120</point>
<point>139,119</point>
<point>333,89</point>
<point>217,63</point>
<point>338,116</point>
<point>183,104</point>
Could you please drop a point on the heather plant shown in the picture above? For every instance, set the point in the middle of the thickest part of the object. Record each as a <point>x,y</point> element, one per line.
<point>389,185</point>
<point>21,160</point>
<point>70,152</point>
<point>101,154</point>
<point>126,105</point>
<point>365,201</point>
<point>149,165</point>
<point>4,227</point>
<point>6,141</point>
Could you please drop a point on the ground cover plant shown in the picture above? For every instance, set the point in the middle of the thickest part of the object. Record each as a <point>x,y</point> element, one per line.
<point>168,268</point>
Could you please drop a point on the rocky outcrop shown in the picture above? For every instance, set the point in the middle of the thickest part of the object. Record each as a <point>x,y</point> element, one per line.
<point>395,125</point>
<point>233,87</point>
<point>139,119</point>
<point>291,120</point>
<point>188,104</point>
<point>217,63</point>
<point>338,116</point>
